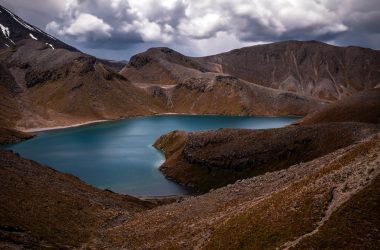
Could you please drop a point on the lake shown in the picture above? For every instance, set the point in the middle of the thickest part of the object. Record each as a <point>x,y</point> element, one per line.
<point>119,155</point>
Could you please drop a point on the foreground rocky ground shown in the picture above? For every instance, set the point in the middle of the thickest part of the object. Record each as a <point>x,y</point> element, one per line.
<point>315,186</point>
<point>40,207</point>
<point>331,201</point>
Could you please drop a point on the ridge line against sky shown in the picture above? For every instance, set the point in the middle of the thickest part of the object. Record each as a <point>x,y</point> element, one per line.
<point>118,29</point>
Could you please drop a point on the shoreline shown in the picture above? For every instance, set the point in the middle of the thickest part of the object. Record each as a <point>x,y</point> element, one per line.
<point>42,129</point>
<point>163,199</point>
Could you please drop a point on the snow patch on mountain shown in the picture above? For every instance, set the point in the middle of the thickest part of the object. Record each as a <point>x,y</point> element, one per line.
<point>51,45</point>
<point>5,30</point>
<point>33,37</point>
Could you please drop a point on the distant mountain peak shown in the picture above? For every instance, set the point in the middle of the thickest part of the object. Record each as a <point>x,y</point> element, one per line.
<point>14,29</point>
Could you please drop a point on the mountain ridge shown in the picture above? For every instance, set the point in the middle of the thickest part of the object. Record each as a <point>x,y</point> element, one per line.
<point>308,68</point>
<point>15,29</point>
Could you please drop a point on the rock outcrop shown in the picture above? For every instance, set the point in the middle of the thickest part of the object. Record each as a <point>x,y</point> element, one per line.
<point>211,159</point>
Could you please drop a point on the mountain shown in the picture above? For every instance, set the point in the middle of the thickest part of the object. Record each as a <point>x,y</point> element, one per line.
<point>223,94</point>
<point>308,68</point>
<point>47,86</point>
<point>42,87</point>
<point>162,66</point>
<point>15,29</point>
<point>187,85</point>
<point>45,82</point>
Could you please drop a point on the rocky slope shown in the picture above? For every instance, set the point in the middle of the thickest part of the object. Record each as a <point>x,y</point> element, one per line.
<point>308,68</point>
<point>162,66</point>
<point>362,107</point>
<point>333,198</point>
<point>45,82</point>
<point>187,85</point>
<point>212,159</point>
<point>222,94</point>
<point>46,87</point>
<point>42,208</point>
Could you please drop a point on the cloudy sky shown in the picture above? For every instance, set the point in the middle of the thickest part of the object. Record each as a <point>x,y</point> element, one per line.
<point>117,29</point>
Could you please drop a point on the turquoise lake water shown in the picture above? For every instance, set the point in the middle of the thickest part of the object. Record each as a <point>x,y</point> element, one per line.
<point>119,155</point>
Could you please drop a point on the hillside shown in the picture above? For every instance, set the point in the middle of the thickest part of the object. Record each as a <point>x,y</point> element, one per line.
<point>49,87</point>
<point>332,199</point>
<point>45,82</point>
<point>362,107</point>
<point>41,207</point>
<point>211,159</point>
<point>186,85</point>
<point>222,94</point>
<point>162,66</point>
<point>308,68</point>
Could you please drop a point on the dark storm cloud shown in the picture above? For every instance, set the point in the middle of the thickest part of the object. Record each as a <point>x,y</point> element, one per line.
<point>363,22</point>
<point>203,26</point>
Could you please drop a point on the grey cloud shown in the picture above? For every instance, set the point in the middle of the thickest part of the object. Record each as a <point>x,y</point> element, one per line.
<point>203,24</point>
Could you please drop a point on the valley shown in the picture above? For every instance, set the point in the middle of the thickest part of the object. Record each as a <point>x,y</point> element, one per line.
<point>279,141</point>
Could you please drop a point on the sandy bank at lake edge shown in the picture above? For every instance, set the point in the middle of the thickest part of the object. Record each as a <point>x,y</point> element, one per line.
<point>41,129</point>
